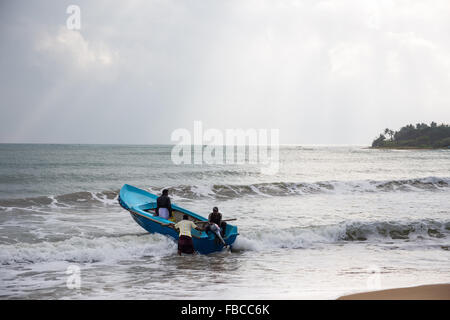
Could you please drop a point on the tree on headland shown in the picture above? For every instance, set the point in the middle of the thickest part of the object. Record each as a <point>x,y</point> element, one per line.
<point>419,136</point>
<point>379,141</point>
<point>389,132</point>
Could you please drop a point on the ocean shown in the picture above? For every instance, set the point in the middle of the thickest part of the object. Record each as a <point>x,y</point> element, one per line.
<point>334,220</point>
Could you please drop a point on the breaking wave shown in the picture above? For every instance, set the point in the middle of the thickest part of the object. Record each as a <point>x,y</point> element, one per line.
<point>85,250</point>
<point>307,237</point>
<point>76,199</point>
<point>230,191</point>
<point>227,191</point>
<point>131,247</point>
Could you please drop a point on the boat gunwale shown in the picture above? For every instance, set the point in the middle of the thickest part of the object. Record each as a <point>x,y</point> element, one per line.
<point>162,223</point>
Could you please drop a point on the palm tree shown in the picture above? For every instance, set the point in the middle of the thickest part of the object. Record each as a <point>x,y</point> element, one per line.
<point>389,132</point>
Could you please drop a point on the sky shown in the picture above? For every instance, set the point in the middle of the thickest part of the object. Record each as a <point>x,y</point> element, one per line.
<point>321,72</point>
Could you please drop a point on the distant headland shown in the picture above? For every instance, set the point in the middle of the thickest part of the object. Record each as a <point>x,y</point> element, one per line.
<point>420,136</point>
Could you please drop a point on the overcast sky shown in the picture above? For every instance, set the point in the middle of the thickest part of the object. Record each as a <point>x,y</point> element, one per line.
<point>322,72</point>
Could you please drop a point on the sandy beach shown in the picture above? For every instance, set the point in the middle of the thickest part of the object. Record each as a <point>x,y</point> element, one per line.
<point>426,292</point>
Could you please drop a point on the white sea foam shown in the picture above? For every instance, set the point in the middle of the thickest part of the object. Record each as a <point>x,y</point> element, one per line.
<point>78,249</point>
<point>230,191</point>
<point>123,247</point>
<point>103,198</point>
<point>313,236</point>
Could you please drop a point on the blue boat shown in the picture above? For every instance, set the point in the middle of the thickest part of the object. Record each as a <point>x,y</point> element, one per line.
<point>142,204</point>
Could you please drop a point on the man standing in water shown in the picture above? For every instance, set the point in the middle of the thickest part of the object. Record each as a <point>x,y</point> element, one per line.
<point>185,244</point>
<point>163,205</point>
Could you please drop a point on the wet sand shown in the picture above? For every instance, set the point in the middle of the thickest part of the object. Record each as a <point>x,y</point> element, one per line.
<point>427,292</point>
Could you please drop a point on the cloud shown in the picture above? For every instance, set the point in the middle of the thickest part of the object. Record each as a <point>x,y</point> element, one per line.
<point>320,71</point>
<point>70,49</point>
<point>349,59</point>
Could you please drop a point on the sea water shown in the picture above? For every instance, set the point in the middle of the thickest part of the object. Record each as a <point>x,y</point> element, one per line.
<point>334,220</point>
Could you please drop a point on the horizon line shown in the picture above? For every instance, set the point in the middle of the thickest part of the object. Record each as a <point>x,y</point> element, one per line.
<point>174,144</point>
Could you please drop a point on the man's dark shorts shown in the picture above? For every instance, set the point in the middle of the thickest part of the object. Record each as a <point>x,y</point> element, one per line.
<point>185,244</point>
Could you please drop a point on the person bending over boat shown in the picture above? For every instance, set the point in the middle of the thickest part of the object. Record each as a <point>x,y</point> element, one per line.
<point>185,244</point>
<point>163,205</point>
<point>216,217</point>
<point>214,228</point>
